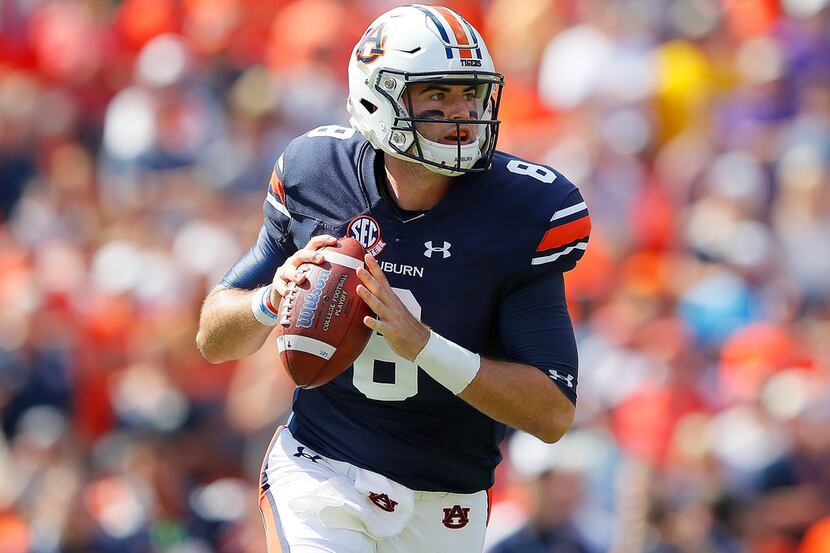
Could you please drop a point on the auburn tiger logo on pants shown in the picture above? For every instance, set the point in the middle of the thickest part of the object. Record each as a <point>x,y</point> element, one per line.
<point>382,500</point>
<point>456,517</point>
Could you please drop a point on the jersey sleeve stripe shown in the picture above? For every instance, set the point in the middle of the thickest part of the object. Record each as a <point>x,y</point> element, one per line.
<point>554,256</point>
<point>277,205</point>
<point>581,206</point>
<point>277,187</point>
<point>565,234</point>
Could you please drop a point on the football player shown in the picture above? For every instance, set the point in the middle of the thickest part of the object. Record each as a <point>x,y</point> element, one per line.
<point>467,247</point>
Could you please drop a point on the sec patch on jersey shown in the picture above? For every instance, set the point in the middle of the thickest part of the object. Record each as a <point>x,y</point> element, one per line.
<point>321,331</point>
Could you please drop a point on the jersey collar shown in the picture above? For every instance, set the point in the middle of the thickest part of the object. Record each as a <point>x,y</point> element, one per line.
<point>380,199</point>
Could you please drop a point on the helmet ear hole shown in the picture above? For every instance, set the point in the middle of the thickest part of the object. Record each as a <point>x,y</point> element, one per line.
<point>370,107</point>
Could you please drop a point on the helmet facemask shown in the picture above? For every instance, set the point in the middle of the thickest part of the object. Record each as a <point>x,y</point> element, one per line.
<point>468,144</point>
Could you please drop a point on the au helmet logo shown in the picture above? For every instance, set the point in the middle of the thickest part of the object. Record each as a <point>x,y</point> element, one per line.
<point>371,46</point>
<point>366,230</point>
<point>444,250</point>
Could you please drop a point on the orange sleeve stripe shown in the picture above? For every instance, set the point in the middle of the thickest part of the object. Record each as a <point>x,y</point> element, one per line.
<point>277,187</point>
<point>457,30</point>
<point>565,234</point>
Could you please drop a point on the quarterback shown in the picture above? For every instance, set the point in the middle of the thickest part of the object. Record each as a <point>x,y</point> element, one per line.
<point>467,247</point>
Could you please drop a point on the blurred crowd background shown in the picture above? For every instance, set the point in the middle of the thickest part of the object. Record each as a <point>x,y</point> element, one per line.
<point>136,142</point>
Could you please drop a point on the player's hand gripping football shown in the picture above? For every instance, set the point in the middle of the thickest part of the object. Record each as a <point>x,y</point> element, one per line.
<point>288,271</point>
<point>405,334</point>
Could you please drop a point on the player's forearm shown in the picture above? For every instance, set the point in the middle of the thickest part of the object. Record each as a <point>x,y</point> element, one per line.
<point>227,327</point>
<point>520,396</point>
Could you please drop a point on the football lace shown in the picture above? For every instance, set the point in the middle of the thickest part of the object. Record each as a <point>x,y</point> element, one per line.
<point>288,303</point>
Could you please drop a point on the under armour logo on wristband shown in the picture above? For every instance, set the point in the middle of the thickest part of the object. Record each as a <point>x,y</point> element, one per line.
<point>566,378</point>
<point>445,249</point>
<point>301,453</point>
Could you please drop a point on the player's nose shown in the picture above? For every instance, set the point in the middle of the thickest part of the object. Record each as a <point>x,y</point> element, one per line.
<point>459,107</point>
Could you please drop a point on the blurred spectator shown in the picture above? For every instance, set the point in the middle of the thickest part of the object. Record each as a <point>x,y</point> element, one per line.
<point>555,482</point>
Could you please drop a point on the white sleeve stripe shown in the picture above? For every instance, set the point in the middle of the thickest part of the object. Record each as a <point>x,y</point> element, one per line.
<point>553,257</point>
<point>305,344</point>
<point>569,211</point>
<point>277,205</point>
<point>336,258</point>
<point>280,164</point>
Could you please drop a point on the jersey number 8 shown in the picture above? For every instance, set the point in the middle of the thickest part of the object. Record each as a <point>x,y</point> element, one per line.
<point>405,383</point>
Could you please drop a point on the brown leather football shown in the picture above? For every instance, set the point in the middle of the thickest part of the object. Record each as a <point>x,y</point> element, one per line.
<point>321,331</point>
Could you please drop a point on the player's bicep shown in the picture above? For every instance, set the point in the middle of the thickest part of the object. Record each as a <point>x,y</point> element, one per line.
<point>536,329</point>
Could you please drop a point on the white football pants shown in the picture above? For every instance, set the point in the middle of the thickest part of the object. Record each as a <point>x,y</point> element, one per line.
<point>312,504</point>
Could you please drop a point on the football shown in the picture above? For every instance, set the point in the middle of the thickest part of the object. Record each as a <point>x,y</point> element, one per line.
<point>320,330</point>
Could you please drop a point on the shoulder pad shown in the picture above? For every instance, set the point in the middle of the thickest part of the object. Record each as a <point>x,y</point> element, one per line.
<point>317,175</point>
<point>556,225</point>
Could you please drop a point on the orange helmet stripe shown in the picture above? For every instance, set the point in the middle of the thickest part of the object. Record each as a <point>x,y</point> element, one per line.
<point>457,29</point>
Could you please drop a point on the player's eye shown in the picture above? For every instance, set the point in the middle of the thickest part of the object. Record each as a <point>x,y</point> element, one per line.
<point>437,96</point>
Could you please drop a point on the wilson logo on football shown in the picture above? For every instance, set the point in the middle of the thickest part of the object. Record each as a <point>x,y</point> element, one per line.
<point>371,47</point>
<point>306,317</point>
<point>366,230</point>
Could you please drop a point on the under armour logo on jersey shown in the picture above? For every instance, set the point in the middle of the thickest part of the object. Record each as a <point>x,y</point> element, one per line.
<point>445,249</point>
<point>567,378</point>
<point>302,453</point>
<point>382,500</point>
<point>456,517</point>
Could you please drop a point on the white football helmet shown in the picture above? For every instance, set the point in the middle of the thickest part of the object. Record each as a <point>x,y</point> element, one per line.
<point>418,43</point>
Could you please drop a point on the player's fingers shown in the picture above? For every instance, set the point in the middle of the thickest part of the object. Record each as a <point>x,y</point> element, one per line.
<point>281,275</point>
<point>280,282</point>
<point>370,282</point>
<point>306,256</point>
<point>299,274</point>
<point>276,295</point>
<point>377,283</point>
<point>374,324</point>
<point>371,300</point>
<point>375,269</point>
<point>318,242</point>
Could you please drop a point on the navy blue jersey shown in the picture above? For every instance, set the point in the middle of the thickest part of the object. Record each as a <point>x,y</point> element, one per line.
<point>483,268</point>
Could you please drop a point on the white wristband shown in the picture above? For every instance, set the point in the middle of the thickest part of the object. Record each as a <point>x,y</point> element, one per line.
<point>448,363</point>
<point>261,307</point>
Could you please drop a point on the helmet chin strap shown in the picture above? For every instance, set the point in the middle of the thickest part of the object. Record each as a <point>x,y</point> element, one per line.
<point>448,155</point>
